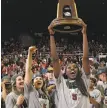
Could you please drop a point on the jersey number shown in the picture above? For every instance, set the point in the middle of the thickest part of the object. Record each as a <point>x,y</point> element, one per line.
<point>74,96</point>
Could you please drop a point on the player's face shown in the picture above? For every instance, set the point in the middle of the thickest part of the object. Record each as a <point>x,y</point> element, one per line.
<point>19,82</point>
<point>91,84</point>
<point>103,77</point>
<point>72,71</point>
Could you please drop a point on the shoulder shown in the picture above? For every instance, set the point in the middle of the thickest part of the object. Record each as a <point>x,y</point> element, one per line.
<point>28,87</point>
<point>10,97</point>
<point>33,93</point>
<point>11,94</point>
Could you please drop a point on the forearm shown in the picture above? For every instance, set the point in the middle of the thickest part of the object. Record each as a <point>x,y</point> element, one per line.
<point>85,61</point>
<point>53,48</point>
<point>54,56</point>
<point>29,62</point>
<point>85,46</point>
<point>51,87</point>
<point>28,75</point>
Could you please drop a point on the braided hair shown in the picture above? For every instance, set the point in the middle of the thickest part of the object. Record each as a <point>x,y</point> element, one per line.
<point>80,84</point>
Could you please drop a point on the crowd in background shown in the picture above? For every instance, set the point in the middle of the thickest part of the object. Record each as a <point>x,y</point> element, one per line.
<point>14,55</point>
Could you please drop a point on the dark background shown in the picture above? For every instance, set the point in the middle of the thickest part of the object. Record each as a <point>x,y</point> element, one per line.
<point>30,16</point>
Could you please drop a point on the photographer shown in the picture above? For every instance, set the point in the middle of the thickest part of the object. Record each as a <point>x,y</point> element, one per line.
<point>6,89</point>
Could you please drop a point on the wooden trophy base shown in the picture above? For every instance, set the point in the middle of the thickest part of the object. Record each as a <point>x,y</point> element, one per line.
<point>67,25</point>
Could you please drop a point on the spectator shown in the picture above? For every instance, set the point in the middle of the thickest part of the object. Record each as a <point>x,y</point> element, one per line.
<point>102,84</point>
<point>95,94</point>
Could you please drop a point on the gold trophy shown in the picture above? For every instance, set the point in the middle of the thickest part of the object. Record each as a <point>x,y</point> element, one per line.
<point>67,17</point>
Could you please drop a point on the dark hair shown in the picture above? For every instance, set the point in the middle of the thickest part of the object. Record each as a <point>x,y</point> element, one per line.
<point>43,93</point>
<point>44,89</point>
<point>80,84</point>
<point>94,81</point>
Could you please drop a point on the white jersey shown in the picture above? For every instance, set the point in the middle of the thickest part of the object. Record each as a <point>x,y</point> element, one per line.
<point>75,96</point>
<point>71,98</point>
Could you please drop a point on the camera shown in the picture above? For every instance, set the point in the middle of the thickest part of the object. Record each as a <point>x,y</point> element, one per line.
<point>8,85</point>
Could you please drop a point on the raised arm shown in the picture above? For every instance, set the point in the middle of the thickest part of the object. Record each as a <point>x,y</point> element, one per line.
<point>85,61</point>
<point>28,73</point>
<point>54,55</point>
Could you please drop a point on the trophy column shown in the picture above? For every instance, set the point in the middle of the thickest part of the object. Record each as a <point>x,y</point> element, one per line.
<point>67,17</point>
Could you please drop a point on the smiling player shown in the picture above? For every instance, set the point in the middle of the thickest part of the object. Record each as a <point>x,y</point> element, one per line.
<point>71,92</point>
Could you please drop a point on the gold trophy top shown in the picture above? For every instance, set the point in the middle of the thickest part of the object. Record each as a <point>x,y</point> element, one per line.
<point>67,17</point>
<point>63,4</point>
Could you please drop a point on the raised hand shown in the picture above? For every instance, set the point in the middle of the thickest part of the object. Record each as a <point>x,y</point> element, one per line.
<point>20,100</point>
<point>50,27</point>
<point>32,49</point>
<point>51,31</point>
<point>84,30</point>
<point>81,22</point>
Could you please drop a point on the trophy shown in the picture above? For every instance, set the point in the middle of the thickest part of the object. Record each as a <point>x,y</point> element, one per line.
<point>67,17</point>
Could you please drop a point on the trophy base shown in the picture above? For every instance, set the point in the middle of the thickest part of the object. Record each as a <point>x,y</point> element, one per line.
<point>67,25</point>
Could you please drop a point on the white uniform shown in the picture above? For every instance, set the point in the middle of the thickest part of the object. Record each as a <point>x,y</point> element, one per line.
<point>71,98</point>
